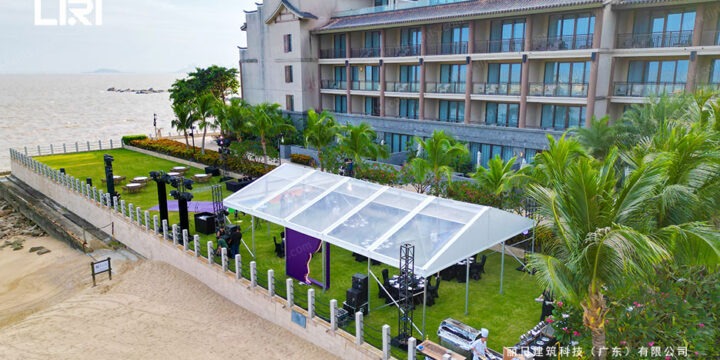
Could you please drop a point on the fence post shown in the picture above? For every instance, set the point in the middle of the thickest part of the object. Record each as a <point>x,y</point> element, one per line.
<point>411,348</point>
<point>289,292</point>
<point>111,144</point>
<point>253,274</point>
<point>333,315</point>
<point>175,234</point>
<point>122,207</point>
<point>77,147</point>
<point>88,145</point>
<point>156,226</point>
<point>138,217</point>
<point>26,151</point>
<point>210,252</point>
<point>39,150</point>
<point>311,303</point>
<point>185,240</point>
<point>224,259</point>
<point>131,210</point>
<point>52,150</point>
<point>165,229</point>
<point>147,220</point>
<point>64,149</point>
<point>271,282</point>
<point>101,197</point>
<point>238,267</point>
<point>196,242</point>
<point>358,328</point>
<point>100,144</point>
<point>386,341</point>
<point>94,193</point>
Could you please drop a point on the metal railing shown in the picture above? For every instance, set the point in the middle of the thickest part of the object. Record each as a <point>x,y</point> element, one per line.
<point>445,88</point>
<point>710,38</point>
<point>655,40</point>
<point>558,89</point>
<point>393,86</point>
<point>496,88</point>
<point>78,146</point>
<point>405,50</point>
<point>458,47</point>
<point>365,85</point>
<point>499,46</point>
<point>363,113</point>
<point>569,42</point>
<point>365,52</point>
<point>646,89</point>
<point>333,84</point>
<point>394,6</point>
<point>332,53</point>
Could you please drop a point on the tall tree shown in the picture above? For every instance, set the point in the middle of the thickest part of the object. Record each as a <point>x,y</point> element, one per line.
<point>233,118</point>
<point>267,122</point>
<point>358,142</point>
<point>204,106</point>
<point>185,118</point>
<point>216,80</point>
<point>320,132</point>
<point>499,179</point>
<point>438,152</point>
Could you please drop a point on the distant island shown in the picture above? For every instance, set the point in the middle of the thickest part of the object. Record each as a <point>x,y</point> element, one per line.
<point>137,91</point>
<point>106,71</point>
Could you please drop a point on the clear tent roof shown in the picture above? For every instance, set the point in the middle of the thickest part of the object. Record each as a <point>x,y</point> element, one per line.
<point>374,220</point>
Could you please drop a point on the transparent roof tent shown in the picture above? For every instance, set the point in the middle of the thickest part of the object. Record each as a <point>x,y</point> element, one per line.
<point>374,220</point>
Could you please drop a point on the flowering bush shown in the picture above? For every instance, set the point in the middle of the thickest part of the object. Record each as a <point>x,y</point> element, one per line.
<point>381,174</point>
<point>301,159</point>
<point>468,191</point>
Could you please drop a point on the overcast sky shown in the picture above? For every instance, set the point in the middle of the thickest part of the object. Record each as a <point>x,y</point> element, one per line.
<point>149,36</point>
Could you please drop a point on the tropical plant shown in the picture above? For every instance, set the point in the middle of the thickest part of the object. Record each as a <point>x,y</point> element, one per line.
<point>499,179</point>
<point>598,138</point>
<point>268,121</point>
<point>358,142</point>
<point>216,80</point>
<point>203,109</point>
<point>320,132</point>
<point>184,120</point>
<point>438,153</point>
<point>233,117</point>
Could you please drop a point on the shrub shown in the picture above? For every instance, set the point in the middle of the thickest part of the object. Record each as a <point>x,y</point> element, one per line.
<point>469,191</point>
<point>127,139</point>
<point>301,159</point>
<point>381,174</point>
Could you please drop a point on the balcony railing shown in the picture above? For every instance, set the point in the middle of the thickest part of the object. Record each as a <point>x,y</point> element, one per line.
<point>496,88</point>
<point>393,86</point>
<point>445,88</point>
<point>655,40</point>
<point>500,46</point>
<point>333,84</point>
<point>365,52</point>
<point>365,85</point>
<point>375,112</point>
<point>459,47</point>
<point>559,89</point>
<point>570,42</point>
<point>400,5</point>
<point>646,89</point>
<point>710,38</point>
<point>332,53</point>
<point>406,50</point>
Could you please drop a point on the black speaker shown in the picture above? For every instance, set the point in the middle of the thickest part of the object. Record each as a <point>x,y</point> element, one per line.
<point>360,282</point>
<point>354,298</point>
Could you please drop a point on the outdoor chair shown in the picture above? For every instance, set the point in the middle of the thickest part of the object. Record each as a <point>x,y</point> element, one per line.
<point>478,268</point>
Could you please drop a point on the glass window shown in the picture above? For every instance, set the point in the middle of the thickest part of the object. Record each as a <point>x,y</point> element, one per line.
<point>455,38</point>
<point>452,111</point>
<point>340,103</point>
<point>398,142</point>
<point>715,72</point>
<point>560,117</point>
<point>668,71</point>
<point>502,114</point>
<point>411,36</point>
<point>491,113</point>
<point>566,72</point>
<point>372,106</point>
<point>409,73</point>
<point>340,73</point>
<point>408,108</point>
<point>372,39</point>
<point>452,73</point>
<point>504,73</point>
<point>662,21</point>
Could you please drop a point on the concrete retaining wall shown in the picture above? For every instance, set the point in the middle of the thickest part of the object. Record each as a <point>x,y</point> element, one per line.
<point>151,246</point>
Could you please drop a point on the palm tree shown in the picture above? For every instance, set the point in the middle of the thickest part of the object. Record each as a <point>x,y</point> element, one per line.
<point>185,118</point>
<point>358,142</point>
<point>439,152</point>
<point>598,138</point>
<point>418,174</point>
<point>320,132</point>
<point>268,121</point>
<point>204,106</point>
<point>234,117</point>
<point>499,179</point>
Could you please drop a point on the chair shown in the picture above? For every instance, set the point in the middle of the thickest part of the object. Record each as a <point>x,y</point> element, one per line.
<point>432,291</point>
<point>279,247</point>
<point>478,268</point>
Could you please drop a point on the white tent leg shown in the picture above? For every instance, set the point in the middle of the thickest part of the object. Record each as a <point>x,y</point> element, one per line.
<point>467,284</point>
<point>502,267</point>
<point>368,289</point>
<point>252,225</point>
<point>324,265</point>
<point>427,283</point>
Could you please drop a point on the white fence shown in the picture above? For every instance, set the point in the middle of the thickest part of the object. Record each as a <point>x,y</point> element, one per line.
<point>65,148</point>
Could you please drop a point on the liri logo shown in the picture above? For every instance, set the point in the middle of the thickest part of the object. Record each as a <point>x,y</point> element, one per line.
<point>71,12</point>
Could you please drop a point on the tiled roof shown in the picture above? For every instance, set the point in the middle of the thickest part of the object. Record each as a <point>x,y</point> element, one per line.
<point>439,12</point>
<point>291,8</point>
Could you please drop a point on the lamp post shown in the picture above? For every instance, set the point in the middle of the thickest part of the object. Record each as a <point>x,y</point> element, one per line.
<point>192,136</point>
<point>155,123</point>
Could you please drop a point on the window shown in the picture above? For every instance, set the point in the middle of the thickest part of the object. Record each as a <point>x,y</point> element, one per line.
<point>715,72</point>
<point>340,103</point>
<point>663,28</point>
<point>502,114</point>
<point>289,102</point>
<point>507,35</point>
<point>366,77</point>
<point>340,77</point>
<point>372,44</point>
<point>381,2</point>
<point>410,42</point>
<point>452,111</point>
<point>455,39</point>
<point>408,108</point>
<point>485,152</point>
<point>566,78</point>
<point>571,31</point>
<point>504,79</point>
<point>372,106</point>
<point>287,41</point>
<point>409,78</point>
<point>452,78</point>
<point>288,74</point>
<point>398,142</point>
<point>655,77</point>
<point>339,45</point>
<point>560,117</point>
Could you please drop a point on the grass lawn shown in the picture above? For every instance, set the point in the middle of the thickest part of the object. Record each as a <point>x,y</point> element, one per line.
<point>506,315</point>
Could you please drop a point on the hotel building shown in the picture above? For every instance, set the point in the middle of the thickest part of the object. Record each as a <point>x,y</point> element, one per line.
<point>498,74</point>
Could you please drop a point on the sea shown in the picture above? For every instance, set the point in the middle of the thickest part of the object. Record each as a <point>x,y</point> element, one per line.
<point>56,109</point>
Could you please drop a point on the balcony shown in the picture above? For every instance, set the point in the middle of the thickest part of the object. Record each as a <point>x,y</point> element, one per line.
<point>365,52</point>
<point>365,85</point>
<point>332,53</point>
<point>558,89</point>
<point>445,88</point>
<point>333,84</point>
<point>655,40</point>
<point>646,89</point>
<point>569,42</point>
<point>496,89</point>
<point>400,5</point>
<point>405,50</point>
<point>459,47</point>
<point>710,38</point>
<point>411,87</point>
<point>500,46</point>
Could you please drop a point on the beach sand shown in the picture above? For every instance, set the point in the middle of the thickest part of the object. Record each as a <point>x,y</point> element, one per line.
<point>149,310</point>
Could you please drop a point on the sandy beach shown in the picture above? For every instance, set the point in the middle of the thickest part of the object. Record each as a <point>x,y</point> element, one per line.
<point>149,310</point>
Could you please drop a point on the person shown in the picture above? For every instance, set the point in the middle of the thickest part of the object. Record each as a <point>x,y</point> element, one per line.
<point>548,305</point>
<point>235,239</point>
<point>222,241</point>
<point>479,347</point>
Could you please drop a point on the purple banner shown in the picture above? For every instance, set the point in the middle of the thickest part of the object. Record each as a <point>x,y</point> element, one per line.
<point>299,249</point>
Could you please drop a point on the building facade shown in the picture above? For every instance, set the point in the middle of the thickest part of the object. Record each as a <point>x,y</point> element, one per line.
<point>498,74</point>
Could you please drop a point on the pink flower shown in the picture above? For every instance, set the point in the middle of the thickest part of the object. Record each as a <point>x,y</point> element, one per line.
<point>576,333</point>
<point>635,303</point>
<point>623,342</point>
<point>668,357</point>
<point>549,320</point>
<point>650,344</point>
<point>565,329</point>
<point>697,353</point>
<point>559,303</point>
<point>701,325</point>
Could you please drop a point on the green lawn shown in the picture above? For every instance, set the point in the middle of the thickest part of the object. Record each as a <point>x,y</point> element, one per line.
<point>506,315</point>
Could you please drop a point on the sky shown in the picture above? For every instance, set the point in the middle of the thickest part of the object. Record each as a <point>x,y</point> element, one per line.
<point>140,36</point>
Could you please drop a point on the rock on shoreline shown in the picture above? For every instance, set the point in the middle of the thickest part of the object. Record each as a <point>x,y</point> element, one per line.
<point>137,91</point>
<point>12,223</point>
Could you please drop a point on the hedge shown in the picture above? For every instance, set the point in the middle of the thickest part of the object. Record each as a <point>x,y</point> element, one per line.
<point>127,139</point>
<point>301,159</point>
